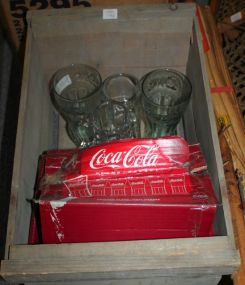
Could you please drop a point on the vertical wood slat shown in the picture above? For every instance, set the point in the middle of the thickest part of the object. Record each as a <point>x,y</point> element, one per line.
<point>18,151</point>
<point>208,136</point>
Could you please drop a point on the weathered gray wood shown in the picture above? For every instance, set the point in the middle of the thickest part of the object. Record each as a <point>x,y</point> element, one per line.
<point>152,52</point>
<point>104,267</point>
<point>34,135</point>
<point>203,280</point>
<point>18,152</point>
<point>206,131</point>
<point>154,41</point>
<point>156,18</point>
<point>133,259</point>
<point>162,247</point>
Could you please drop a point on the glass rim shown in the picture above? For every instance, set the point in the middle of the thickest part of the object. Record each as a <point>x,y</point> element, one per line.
<point>52,88</point>
<point>133,78</point>
<point>180,74</point>
<point>109,102</point>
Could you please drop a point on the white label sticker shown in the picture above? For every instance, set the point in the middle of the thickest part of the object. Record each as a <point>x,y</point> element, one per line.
<point>110,14</point>
<point>63,83</point>
<point>236,17</point>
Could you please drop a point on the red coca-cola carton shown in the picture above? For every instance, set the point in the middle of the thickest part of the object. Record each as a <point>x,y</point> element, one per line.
<point>125,190</point>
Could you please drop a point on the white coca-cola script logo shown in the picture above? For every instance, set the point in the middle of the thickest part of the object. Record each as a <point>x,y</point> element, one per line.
<point>137,156</point>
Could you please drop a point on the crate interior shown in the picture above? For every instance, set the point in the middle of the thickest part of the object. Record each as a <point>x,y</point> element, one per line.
<point>135,43</point>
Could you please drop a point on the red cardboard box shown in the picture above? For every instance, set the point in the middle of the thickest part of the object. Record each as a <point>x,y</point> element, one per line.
<point>125,190</point>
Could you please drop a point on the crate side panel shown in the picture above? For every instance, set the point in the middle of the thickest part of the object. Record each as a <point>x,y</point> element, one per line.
<point>140,18</point>
<point>206,131</point>
<point>36,133</point>
<point>203,125</point>
<point>116,267</point>
<point>139,40</point>
<point>161,247</point>
<point>116,52</point>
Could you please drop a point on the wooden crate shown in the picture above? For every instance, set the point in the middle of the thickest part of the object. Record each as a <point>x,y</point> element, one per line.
<point>141,39</point>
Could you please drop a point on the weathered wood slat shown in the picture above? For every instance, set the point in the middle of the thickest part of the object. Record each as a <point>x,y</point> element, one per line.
<point>202,280</point>
<point>18,152</point>
<point>109,267</point>
<point>169,247</point>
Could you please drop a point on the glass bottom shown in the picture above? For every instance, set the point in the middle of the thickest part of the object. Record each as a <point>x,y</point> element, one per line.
<point>156,130</point>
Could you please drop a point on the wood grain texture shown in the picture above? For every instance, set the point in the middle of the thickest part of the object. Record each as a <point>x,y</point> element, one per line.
<point>119,267</point>
<point>210,280</point>
<point>208,136</point>
<point>192,258</point>
<point>236,209</point>
<point>35,134</point>
<point>18,151</point>
<point>162,247</point>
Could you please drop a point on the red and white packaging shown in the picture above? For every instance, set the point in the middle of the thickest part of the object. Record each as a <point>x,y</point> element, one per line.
<point>125,190</point>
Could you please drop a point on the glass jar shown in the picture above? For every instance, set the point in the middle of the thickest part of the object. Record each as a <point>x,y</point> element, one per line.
<point>165,96</point>
<point>124,89</point>
<point>76,92</point>
<point>111,121</point>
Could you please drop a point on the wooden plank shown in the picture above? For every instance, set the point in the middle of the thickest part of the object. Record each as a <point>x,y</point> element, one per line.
<point>208,136</point>
<point>202,280</point>
<point>154,50</point>
<point>174,257</point>
<point>18,151</point>
<point>168,247</point>
<point>236,210</point>
<point>35,134</point>
<point>141,19</point>
<point>119,267</point>
<point>184,11</point>
<point>158,40</point>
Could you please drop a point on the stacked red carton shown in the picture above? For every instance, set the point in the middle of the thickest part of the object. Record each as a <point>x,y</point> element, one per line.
<point>125,190</point>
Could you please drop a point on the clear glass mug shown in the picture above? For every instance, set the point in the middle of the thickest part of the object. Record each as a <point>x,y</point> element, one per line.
<point>111,121</point>
<point>124,89</point>
<point>76,92</point>
<point>165,96</point>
